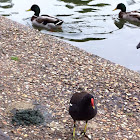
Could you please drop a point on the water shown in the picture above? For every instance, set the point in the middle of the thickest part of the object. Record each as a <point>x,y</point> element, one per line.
<point>89,25</point>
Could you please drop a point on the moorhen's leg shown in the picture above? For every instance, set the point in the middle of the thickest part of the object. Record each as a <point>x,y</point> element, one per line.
<point>85,128</point>
<point>73,138</point>
<point>84,133</point>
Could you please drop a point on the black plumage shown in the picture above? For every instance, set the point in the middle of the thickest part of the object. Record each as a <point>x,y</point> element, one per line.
<point>138,46</point>
<point>82,107</point>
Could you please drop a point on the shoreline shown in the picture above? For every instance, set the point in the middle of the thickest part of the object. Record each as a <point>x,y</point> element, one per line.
<point>47,71</point>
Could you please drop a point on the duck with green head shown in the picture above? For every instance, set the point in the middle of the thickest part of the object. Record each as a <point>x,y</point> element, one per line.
<point>130,16</point>
<point>44,21</point>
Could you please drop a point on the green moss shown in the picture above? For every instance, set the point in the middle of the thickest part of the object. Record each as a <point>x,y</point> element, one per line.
<point>14,58</point>
<point>131,114</point>
<point>27,117</point>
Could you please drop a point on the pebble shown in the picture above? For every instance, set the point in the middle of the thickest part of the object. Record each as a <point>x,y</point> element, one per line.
<point>25,135</point>
<point>64,121</point>
<point>89,136</point>
<point>3,136</point>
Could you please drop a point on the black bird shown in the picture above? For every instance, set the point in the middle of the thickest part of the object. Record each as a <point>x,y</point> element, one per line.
<point>82,107</point>
<point>138,46</point>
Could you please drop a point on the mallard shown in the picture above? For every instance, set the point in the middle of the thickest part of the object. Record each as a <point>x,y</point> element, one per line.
<point>44,21</point>
<point>130,16</point>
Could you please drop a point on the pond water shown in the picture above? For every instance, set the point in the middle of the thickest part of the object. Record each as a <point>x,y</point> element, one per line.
<point>88,24</point>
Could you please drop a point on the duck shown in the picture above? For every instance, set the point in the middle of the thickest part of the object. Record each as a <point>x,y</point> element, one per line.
<point>44,21</point>
<point>133,16</point>
<point>82,108</point>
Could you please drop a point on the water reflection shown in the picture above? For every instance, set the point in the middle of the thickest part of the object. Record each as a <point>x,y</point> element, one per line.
<point>54,30</point>
<point>6,4</point>
<point>89,24</point>
<point>77,2</point>
<point>86,10</point>
<point>85,16</point>
<point>86,39</point>
<point>121,22</point>
<point>5,1</point>
<point>100,4</point>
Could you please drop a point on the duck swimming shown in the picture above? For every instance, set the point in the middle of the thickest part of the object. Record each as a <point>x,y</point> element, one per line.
<point>44,21</point>
<point>130,16</point>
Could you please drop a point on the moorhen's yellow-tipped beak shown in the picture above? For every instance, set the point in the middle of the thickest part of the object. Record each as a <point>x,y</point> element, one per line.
<point>28,10</point>
<point>115,9</point>
<point>93,107</point>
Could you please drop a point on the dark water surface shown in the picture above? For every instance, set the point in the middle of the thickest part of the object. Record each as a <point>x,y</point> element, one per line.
<point>88,24</point>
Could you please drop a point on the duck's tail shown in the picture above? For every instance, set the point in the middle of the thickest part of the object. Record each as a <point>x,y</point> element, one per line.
<point>59,22</point>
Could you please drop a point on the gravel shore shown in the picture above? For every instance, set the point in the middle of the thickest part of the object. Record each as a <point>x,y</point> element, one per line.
<point>38,70</point>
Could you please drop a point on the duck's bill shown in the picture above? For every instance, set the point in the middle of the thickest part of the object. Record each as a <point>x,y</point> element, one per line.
<point>115,9</point>
<point>28,10</point>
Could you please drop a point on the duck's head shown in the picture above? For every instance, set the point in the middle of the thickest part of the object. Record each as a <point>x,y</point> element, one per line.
<point>36,9</point>
<point>121,6</point>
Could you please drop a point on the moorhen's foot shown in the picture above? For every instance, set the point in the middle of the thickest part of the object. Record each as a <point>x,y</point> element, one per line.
<point>84,134</point>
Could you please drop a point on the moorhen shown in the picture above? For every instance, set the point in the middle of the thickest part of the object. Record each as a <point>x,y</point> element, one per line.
<point>82,107</point>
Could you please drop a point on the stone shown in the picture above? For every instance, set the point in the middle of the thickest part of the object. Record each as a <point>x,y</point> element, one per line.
<point>4,136</point>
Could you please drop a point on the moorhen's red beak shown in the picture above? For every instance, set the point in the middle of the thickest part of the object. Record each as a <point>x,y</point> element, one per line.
<point>92,103</point>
